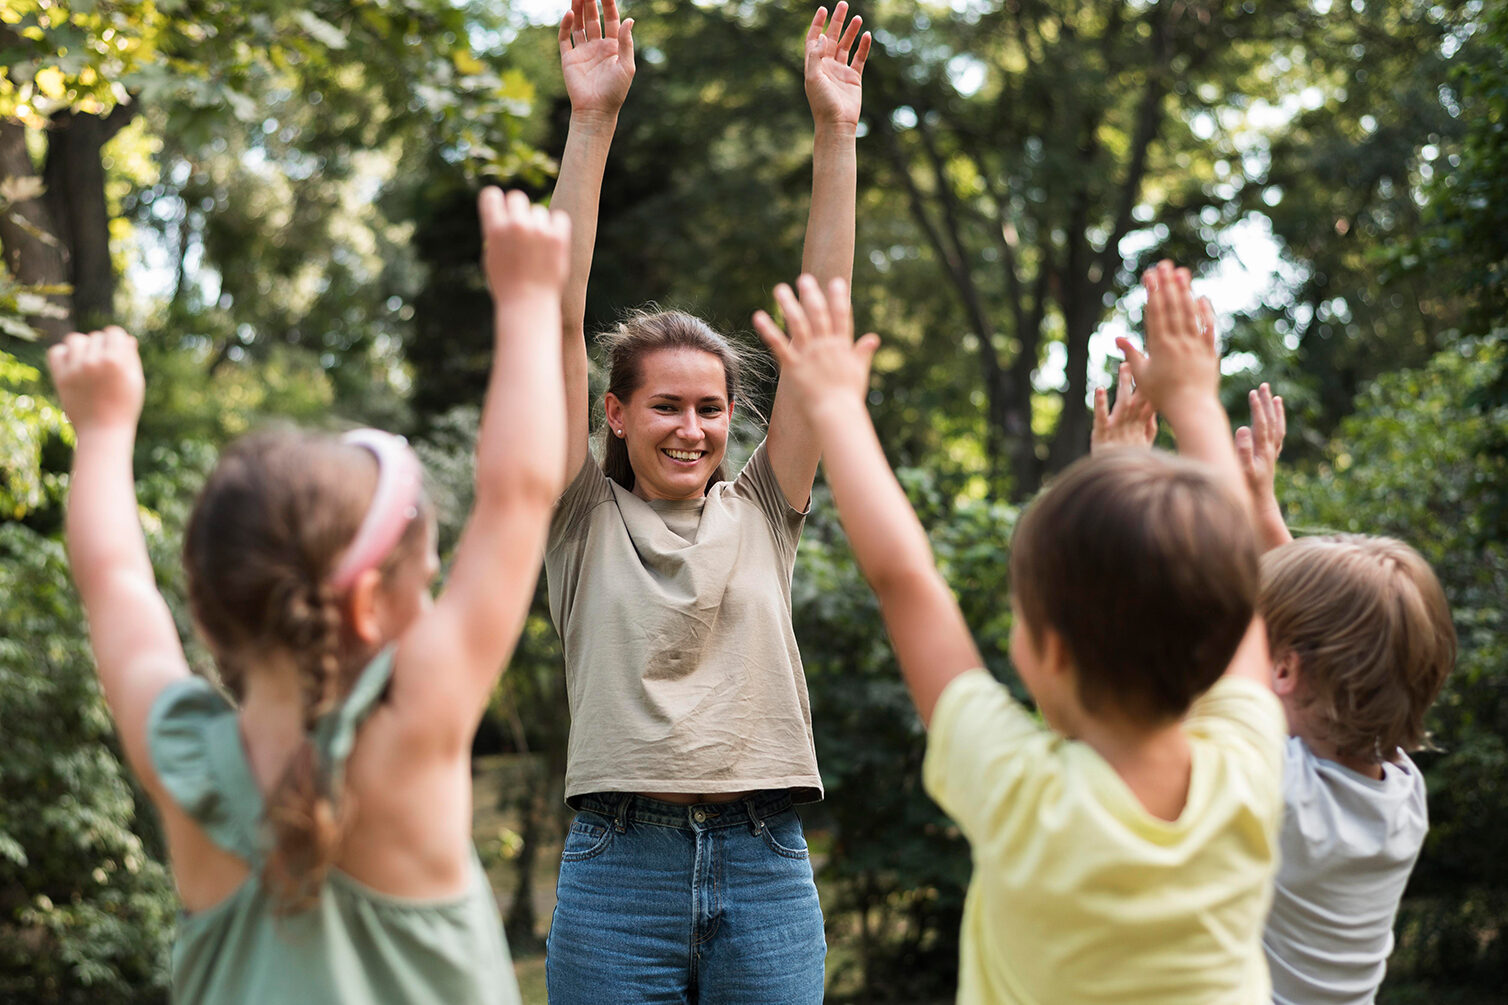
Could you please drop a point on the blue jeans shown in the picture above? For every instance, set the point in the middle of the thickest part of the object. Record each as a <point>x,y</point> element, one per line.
<point>711,904</point>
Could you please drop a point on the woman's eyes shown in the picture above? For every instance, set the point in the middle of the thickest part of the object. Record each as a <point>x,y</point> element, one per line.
<point>707,410</point>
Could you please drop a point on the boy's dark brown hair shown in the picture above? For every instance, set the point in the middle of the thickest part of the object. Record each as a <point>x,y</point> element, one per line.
<point>1373,635</point>
<point>276,513</point>
<point>1147,570</point>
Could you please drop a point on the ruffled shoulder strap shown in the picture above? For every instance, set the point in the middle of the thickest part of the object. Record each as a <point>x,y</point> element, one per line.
<point>335,734</point>
<point>195,742</point>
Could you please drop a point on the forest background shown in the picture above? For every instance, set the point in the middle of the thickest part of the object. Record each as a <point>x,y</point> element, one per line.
<point>277,198</point>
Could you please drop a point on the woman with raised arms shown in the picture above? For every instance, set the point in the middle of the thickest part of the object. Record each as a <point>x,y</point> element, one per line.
<point>685,874</point>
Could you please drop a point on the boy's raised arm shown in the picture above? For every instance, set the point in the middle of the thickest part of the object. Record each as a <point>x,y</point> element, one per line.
<point>135,642</point>
<point>597,62</point>
<point>828,375</point>
<point>835,58</point>
<point>1258,447</point>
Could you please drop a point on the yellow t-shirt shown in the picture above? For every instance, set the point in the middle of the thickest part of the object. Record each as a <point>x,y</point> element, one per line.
<point>1079,894</point>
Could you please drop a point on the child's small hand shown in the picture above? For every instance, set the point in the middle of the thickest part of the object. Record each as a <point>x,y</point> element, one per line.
<point>1181,363</point>
<point>834,86</point>
<point>819,358</point>
<point>1131,423</point>
<point>1259,444</point>
<point>596,57</point>
<point>524,247</point>
<point>99,379</point>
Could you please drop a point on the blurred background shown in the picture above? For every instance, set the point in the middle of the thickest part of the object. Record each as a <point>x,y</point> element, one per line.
<point>278,199</point>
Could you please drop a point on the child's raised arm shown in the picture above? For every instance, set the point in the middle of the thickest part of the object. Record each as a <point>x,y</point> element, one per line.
<point>827,373</point>
<point>135,642</point>
<point>835,58</point>
<point>450,659</point>
<point>597,62</point>
<point>1180,375</point>
<point>1258,447</point>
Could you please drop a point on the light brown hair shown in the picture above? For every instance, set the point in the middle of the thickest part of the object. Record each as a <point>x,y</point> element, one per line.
<point>1371,629</point>
<point>275,514</point>
<point>643,332</point>
<point>1147,570</point>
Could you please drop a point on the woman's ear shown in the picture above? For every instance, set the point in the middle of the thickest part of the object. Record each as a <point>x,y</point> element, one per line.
<point>360,608</point>
<point>614,409</point>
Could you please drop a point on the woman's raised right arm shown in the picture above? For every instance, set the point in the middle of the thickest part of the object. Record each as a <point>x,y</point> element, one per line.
<point>597,61</point>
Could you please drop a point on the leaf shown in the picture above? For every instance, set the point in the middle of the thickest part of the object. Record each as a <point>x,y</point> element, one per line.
<point>467,64</point>
<point>16,328</point>
<point>50,82</point>
<point>20,188</point>
<point>320,30</point>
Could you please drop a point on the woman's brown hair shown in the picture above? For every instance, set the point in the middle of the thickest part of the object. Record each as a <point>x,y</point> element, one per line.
<point>274,516</point>
<point>1372,631</point>
<point>647,331</point>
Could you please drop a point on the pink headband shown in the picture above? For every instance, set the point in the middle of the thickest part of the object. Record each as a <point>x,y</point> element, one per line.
<point>394,504</point>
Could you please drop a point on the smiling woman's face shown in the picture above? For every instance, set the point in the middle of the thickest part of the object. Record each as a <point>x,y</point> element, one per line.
<point>675,424</point>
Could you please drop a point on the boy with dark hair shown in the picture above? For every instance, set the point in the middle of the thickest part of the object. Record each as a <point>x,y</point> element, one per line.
<point>1362,641</point>
<point>1124,851</point>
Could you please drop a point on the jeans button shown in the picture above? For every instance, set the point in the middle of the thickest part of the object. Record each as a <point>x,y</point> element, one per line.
<point>699,817</point>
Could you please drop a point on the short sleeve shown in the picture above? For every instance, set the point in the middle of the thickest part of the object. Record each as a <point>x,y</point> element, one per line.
<point>587,490</point>
<point>758,483</point>
<point>1246,718</point>
<point>986,755</point>
<point>195,745</point>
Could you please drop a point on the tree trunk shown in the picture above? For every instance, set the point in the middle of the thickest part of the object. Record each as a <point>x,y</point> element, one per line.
<point>25,230</point>
<point>75,177</point>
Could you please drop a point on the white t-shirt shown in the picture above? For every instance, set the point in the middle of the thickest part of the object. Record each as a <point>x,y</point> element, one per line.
<point>1348,845</point>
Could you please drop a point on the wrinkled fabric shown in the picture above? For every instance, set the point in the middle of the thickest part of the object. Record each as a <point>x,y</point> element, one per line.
<point>1349,843</point>
<point>1078,893</point>
<point>682,670</point>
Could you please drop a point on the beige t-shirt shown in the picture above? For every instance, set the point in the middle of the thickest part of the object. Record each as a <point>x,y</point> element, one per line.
<point>681,665</point>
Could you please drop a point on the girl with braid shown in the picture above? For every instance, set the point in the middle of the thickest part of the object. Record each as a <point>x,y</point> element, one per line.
<point>319,829</point>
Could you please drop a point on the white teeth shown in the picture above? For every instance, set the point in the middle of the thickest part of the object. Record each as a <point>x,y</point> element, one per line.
<point>685,455</point>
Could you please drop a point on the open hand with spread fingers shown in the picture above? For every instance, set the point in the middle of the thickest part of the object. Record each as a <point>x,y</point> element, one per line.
<point>99,380</point>
<point>596,56</point>
<point>1181,362</point>
<point>1259,444</point>
<point>835,66</point>
<point>817,353</point>
<point>1131,423</point>
<point>524,247</point>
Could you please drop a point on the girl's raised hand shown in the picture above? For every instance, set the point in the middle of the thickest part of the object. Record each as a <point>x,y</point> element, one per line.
<point>835,67</point>
<point>596,56</point>
<point>99,379</point>
<point>819,357</point>
<point>524,247</point>
<point>1131,423</point>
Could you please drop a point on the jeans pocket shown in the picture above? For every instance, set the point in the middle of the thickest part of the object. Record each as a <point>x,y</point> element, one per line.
<point>782,833</point>
<point>587,838</point>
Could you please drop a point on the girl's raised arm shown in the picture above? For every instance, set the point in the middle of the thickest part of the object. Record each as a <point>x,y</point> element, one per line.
<point>135,642</point>
<point>449,660</point>
<point>835,57</point>
<point>597,61</point>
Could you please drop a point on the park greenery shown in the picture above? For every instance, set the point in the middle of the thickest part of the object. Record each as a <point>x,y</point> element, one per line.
<point>277,199</point>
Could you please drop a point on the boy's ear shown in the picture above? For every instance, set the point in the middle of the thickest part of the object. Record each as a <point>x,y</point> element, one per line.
<point>1055,658</point>
<point>360,608</point>
<point>1285,674</point>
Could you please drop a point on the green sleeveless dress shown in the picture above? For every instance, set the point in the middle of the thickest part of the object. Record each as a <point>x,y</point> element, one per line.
<point>354,945</point>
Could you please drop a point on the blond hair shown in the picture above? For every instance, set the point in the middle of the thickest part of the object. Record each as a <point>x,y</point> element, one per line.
<point>1371,629</point>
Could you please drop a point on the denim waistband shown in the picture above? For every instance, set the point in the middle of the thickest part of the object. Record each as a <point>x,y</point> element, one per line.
<point>625,807</point>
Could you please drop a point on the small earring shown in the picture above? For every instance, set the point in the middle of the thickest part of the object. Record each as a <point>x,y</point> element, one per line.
<point>619,432</point>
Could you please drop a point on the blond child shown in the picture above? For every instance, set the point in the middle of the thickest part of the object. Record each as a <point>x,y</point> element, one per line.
<point>1124,848</point>
<point>319,831</point>
<point>1361,641</point>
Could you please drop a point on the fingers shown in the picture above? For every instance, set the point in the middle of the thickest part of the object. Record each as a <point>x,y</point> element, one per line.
<point>1246,451</point>
<point>567,25</point>
<point>845,44</point>
<point>772,336</point>
<point>862,56</point>
<point>1135,358</point>
<point>626,44</point>
<point>1282,420</point>
<point>1123,387</point>
<point>1260,426</point>
<point>795,318</point>
<point>865,348</point>
<point>1207,320</point>
<point>818,317</point>
<point>592,18</point>
<point>1151,429</point>
<point>610,22</point>
<point>819,21</point>
<point>1101,415</point>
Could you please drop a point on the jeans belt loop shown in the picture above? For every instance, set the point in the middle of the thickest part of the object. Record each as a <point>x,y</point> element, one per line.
<point>755,823</point>
<point>620,821</point>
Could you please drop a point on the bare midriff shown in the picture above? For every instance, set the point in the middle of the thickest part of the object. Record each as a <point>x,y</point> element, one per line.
<point>690,798</point>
